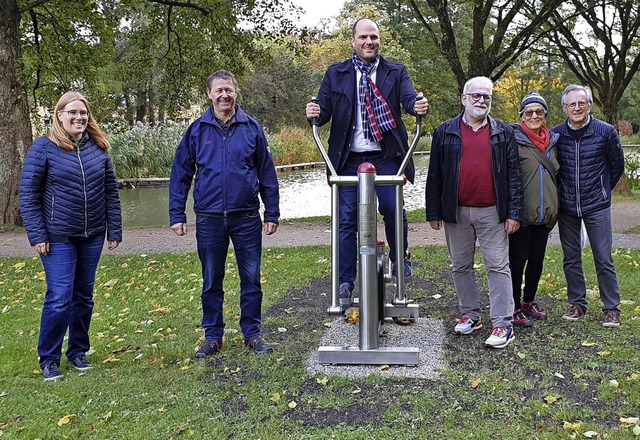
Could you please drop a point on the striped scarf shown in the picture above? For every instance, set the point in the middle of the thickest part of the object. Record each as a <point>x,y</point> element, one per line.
<point>374,110</point>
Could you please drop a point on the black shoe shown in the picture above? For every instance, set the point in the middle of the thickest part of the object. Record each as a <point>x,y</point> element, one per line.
<point>209,348</point>
<point>52,372</point>
<point>259,345</point>
<point>81,363</point>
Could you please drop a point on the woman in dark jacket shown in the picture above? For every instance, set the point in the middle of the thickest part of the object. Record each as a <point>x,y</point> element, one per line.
<point>69,203</point>
<point>527,246</point>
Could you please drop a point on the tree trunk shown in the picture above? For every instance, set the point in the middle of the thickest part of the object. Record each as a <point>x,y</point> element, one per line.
<point>15,124</point>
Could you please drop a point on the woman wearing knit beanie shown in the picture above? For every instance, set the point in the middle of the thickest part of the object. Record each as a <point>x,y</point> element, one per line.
<point>527,246</point>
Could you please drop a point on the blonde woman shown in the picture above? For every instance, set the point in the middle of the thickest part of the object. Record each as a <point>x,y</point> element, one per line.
<point>69,203</point>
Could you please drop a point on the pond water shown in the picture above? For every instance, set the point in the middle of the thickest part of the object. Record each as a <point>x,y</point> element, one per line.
<point>303,193</point>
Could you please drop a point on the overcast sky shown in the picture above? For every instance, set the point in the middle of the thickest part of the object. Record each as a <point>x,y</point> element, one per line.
<point>318,9</point>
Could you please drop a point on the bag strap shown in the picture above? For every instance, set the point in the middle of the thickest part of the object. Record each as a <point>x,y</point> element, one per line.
<point>545,162</point>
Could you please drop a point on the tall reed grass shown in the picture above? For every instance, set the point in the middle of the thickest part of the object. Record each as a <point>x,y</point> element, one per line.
<point>145,151</point>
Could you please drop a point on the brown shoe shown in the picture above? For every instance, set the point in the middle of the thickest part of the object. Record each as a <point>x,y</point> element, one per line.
<point>611,319</point>
<point>574,313</point>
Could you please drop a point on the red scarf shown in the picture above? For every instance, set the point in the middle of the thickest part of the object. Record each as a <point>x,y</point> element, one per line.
<point>540,140</point>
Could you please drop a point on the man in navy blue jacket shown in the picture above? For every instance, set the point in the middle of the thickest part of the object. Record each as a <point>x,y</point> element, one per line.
<point>362,97</point>
<point>591,163</point>
<point>228,153</point>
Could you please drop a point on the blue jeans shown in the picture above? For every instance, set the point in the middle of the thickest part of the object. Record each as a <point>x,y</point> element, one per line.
<point>213,235</point>
<point>70,268</point>
<point>598,225</point>
<point>349,213</point>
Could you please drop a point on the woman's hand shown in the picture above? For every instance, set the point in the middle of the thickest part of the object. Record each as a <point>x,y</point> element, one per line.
<point>42,248</point>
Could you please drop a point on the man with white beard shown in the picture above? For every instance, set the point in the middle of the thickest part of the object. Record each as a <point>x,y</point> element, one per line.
<point>474,190</point>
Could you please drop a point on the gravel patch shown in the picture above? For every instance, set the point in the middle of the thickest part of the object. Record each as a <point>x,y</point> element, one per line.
<point>426,334</point>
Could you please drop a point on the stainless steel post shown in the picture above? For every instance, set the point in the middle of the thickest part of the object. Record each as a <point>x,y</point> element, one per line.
<point>400,298</point>
<point>368,261</point>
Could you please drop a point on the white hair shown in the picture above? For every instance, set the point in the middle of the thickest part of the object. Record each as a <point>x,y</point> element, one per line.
<point>481,79</point>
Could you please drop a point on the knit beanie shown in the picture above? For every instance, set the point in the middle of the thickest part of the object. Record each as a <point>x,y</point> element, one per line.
<point>533,97</point>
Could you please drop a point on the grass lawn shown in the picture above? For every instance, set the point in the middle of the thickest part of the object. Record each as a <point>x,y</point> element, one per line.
<point>557,380</point>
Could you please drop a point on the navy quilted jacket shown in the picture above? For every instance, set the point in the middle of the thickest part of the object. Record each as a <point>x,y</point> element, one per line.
<point>69,193</point>
<point>589,168</point>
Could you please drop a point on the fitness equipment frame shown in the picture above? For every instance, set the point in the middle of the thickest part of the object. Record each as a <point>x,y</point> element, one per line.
<point>371,279</point>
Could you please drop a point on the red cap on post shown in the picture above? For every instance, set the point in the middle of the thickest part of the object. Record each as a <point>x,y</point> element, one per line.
<point>366,167</point>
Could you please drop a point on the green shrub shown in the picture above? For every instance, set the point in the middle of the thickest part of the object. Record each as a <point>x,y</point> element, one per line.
<point>144,151</point>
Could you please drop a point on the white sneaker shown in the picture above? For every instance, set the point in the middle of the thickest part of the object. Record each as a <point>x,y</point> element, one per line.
<point>500,337</point>
<point>467,325</point>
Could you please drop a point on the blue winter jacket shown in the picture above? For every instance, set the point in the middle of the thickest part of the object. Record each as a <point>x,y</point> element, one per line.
<point>69,193</point>
<point>338,100</point>
<point>444,168</point>
<point>230,170</point>
<point>589,168</point>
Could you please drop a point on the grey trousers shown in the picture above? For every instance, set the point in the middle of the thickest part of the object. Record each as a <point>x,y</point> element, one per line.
<point>598,225</point>
<point>481,224</point>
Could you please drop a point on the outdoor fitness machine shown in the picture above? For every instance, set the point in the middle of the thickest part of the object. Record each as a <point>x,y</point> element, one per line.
<point>371,264</point>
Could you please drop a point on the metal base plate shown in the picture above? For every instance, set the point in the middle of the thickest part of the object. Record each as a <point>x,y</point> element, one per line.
<point>378,356</point>
<point>408,311</point>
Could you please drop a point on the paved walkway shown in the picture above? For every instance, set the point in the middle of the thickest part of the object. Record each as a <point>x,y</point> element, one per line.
<point>290,234</point>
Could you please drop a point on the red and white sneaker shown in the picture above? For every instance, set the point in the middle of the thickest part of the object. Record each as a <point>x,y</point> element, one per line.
<point>500,337</point>
<point>466,326</point>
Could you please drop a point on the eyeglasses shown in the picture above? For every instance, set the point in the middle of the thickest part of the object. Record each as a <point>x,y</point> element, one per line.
<point>530,113</point>
<point>75,113</point>
<point>477,96</point>
<point>579,104</point>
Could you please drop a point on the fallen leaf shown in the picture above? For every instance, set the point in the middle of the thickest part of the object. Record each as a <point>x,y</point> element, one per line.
<point>558,375</point>
<point>356,391</point>
<point>384,367</point>
<point>110,283</point>
<point>571,426</point>
<point>353,316</point>
<point>590,434</point>
<point>625,422</point>
<point>636,430</point>
<point>614,383</point>
<point>436,296</point>
<point>476,383</point>
<point>275,397</point>
<point>19,265</point>
<point>323,380</point>
<point>282,329</point>
<point>521,355</point>
<point>550,398</point>
<point>588,344</point>
<point>604,353</point>
<point>292,404</point>
<point>66,419</point>
<point>328,324</point>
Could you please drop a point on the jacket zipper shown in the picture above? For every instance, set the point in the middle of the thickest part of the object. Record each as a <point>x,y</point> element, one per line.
<point>577,181</point>
<point>84,192</point>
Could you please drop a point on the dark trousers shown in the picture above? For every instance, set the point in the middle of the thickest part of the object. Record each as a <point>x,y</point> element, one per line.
<point>349,213</point>
<point>213,236</point>
<point>527,247</point>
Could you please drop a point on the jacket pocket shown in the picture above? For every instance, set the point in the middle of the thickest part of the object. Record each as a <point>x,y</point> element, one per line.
<point>603,189</point>
<point>53,207</point>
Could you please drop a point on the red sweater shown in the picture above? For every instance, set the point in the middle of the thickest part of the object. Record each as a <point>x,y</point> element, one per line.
<point>475,186</point>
